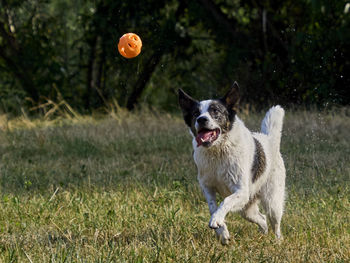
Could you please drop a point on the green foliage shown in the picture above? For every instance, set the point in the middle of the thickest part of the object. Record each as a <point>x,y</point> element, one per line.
<point>280,52</point>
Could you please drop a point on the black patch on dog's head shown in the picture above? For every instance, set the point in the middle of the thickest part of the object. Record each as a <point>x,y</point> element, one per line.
<point>222,110</point>
<point>190,109</point>
<point>230,100</point>
<point>221,115</point>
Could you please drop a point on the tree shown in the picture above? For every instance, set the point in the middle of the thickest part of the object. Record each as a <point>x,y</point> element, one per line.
<point>280,52</point>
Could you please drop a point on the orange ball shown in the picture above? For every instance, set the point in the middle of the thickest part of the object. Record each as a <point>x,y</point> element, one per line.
<point>129,45</point>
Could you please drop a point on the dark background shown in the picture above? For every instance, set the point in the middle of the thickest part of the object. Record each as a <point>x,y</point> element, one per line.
<point>293,52</point>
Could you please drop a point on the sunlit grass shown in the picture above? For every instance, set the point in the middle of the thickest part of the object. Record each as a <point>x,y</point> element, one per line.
<point>123,188</point>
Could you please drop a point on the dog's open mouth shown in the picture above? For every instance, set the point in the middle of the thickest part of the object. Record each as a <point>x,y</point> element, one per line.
<point>206,136</point>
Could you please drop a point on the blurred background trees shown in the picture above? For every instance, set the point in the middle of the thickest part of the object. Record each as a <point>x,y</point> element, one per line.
<point>290,52</point>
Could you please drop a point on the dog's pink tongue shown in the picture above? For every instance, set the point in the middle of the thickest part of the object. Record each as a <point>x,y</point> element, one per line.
<point>203,136</point>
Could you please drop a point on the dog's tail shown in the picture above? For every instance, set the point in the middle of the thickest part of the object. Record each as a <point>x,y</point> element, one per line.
<point>272,126</point>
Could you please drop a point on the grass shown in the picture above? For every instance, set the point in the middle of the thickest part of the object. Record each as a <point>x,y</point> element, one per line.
<point>123,189</point>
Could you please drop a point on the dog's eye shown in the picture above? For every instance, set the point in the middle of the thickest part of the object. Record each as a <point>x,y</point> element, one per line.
<point>196,113</point>
<point>215,111</point>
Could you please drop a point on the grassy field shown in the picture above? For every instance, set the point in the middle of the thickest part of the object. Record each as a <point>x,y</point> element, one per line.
<point>123,189</point>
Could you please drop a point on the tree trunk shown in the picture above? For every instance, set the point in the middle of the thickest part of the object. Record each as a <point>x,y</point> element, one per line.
<point>12,55</point>
<point>90,72</point>
<point>152,63</point>
<point>143,80</point>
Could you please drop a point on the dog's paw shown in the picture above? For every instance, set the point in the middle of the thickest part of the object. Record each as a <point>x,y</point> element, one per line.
<point>216,221</point>
<point>223,235</point>
<point>263,226</point>
<point>263,230</point>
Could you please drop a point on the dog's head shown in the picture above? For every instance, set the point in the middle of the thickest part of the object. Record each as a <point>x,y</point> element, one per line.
<point>209,119</point>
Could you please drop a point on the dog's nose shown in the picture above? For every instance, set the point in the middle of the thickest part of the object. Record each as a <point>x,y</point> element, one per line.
<point>202,120</point>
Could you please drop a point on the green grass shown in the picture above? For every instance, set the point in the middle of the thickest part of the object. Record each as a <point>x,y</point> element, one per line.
<point>124,189</point>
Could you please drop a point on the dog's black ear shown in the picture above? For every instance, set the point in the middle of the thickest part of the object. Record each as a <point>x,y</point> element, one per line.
<point>231,98</point>
<point>186,101</point>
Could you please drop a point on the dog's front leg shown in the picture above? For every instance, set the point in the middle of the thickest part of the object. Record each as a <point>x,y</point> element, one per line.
<point>232,203</point>
<point>221,233</point>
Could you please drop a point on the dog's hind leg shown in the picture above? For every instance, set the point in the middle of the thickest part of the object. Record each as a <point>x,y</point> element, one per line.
<point>252,214</point>
<point>272,198</point>
<point>275,211</point>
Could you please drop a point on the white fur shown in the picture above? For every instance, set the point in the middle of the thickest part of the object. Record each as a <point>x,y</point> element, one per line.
<point>204,106</point>
<point>226,168</point>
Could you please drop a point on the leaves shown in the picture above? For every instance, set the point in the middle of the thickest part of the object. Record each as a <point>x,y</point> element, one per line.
<point>290,52</point>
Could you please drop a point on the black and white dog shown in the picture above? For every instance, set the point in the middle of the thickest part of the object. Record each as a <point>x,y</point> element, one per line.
<point>245,168</point>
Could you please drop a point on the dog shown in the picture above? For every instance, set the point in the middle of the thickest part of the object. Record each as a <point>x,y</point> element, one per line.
<point>245,168</point>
